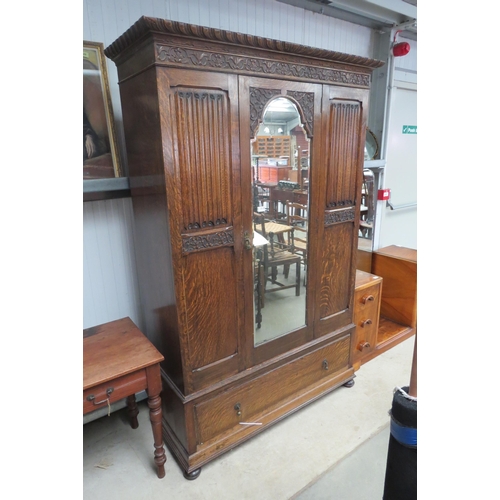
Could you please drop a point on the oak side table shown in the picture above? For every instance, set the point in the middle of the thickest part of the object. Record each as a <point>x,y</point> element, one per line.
<point>118,362</point>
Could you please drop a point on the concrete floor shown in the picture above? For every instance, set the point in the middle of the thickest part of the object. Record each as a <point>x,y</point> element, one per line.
<point>335,449</point>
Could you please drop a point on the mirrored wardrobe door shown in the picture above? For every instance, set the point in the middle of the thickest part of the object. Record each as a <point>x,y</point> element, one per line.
<point>280,197</point>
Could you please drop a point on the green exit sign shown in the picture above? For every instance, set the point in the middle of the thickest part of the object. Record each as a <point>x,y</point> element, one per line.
<point>409,129</point>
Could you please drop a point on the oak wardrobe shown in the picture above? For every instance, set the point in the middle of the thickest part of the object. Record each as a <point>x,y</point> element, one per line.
<point>251,328</point>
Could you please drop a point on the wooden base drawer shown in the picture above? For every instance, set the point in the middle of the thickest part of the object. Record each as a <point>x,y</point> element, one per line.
<point>96,397</point>
<point>254,399</point>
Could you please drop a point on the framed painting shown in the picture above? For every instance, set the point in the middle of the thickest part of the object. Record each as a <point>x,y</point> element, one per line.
<point>100,152</point>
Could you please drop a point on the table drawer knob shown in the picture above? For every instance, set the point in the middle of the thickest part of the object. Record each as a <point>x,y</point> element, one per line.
<point>91,397</point>
<point>237,408</point>
<point>366,322</point>
<point>367,298</point>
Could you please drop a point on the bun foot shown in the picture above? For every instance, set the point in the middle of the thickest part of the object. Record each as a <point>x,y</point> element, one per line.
<point>191,476</point>
<point>349,383</point>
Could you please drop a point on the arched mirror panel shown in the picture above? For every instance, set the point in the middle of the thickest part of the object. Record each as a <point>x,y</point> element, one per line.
<point>280,180</point>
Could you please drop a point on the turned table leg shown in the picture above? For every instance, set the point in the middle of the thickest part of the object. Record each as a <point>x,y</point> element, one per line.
<point>133,411</point>
<point>155,415</point>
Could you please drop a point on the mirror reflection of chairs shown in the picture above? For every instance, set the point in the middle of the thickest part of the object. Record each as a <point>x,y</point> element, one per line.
<point>261,203</point>
<point>258,268</point>
<point>367,211</point>
<point>276,253</point>
<point>297,218</point>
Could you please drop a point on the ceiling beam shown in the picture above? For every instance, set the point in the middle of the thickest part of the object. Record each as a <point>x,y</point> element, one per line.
<point>375,14</point>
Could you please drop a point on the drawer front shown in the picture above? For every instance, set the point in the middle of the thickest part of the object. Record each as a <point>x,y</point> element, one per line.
<point>367,300</point>
<point>248,402</point>
<point>366,319</point>
<point>97,397</point>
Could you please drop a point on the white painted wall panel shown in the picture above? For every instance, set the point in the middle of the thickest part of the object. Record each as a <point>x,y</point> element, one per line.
<point>110,289</point>
<point>399,226</point>
<point>106,20</point>
<point>405,68</point>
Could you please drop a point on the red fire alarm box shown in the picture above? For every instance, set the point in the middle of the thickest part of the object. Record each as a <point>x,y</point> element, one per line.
<point>384,194</point>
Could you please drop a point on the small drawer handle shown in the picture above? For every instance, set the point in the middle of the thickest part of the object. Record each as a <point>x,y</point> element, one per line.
<point>237,408</point>
<point>91,397</point>
<point>363,345</point>
<point>325,364</point>
<point>367,298</point>
<point>366,322</point>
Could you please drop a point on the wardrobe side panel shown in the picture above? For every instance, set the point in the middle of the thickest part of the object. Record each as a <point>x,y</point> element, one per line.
<point>141,120</point>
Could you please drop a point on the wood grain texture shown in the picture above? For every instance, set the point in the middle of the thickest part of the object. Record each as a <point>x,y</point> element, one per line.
<point>211,318</point>
<point>118,362</point>
<point>344,130</point>
<point>247,402</point>
<point>367,295</point>
<point>336,290</point>
<point>103,348</point>
<point>202,122</point>
<point>398,267</point>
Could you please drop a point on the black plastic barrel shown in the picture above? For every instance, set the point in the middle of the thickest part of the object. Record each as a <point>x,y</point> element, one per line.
<point>401,469</point>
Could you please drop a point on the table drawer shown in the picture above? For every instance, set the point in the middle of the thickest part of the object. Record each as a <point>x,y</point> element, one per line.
<point>96,397</point>
<point>254,399</point>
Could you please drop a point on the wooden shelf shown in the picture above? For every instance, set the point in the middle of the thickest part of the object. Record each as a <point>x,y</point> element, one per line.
<point>389,331</point>
<point>272,146</point>
<point>105,189</point>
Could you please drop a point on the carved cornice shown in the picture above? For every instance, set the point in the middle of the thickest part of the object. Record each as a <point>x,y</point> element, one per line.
<point>339,216</point>
<point>195,243</point>
<point>147,25</point>
<point>246,64</point>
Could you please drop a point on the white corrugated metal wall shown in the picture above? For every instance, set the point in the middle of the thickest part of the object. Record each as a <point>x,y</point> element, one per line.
<point>109,274</point>
<point>110,288</point>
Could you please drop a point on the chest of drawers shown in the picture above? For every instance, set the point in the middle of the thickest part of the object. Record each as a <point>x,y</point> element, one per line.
<point>367,297</point>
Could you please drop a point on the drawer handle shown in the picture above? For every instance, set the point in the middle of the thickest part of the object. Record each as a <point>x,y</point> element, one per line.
<point>237,408</point>
<point>91,397</point>
<point>325,365</point>
<point>363,345</point>
<point>367,298</point>
<point>366,322</point>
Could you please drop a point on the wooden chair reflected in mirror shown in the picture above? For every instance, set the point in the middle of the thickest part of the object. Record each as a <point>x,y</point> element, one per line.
<point>367,211</point>
<point>259,242</point>
<point>297,218</point>
<point>276,253</point>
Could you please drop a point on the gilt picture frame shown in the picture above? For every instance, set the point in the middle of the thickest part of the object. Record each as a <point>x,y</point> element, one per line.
<point>100,151</point>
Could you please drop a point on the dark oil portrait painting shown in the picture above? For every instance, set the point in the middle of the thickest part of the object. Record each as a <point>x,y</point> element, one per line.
<point>100,154</point>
